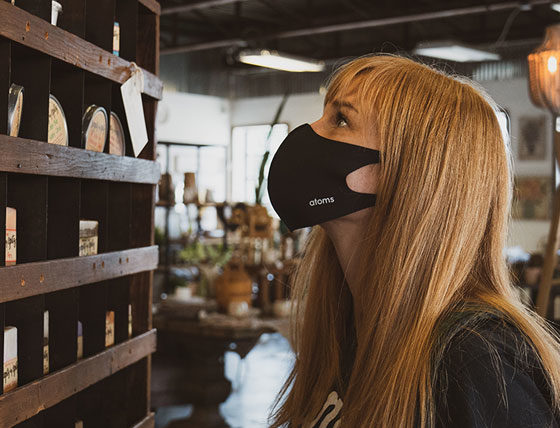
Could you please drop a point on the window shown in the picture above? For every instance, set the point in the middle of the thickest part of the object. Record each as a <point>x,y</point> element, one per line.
<point>248,145</point>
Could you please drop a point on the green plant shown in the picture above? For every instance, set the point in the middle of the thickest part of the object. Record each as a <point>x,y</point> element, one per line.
<point>259,190</point>
<point>197,252</point>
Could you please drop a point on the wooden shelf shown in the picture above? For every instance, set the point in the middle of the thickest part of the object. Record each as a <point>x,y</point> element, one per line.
<point>27,29</point>
<point>27,401</point>
<point>37,157</point>
<point>31,279</point>
<point>52,188</point>
<point>147,422</point>
<point>152,5</point>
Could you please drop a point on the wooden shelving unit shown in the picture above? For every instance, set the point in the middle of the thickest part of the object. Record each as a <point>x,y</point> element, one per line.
<point>52,188</point>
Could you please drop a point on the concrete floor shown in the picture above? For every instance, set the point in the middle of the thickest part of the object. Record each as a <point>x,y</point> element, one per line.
<point>255,382</point>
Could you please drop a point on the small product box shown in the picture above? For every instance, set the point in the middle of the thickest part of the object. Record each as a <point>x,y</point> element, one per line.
<point>10,359</point>
<point>10,236</point>
<point>88,237</point>
<point>110,328</point>
<point>116,38</point>
<point>46,342</point>
<point>129,321</point>
<point>79,424</point>
<point>80,352</point>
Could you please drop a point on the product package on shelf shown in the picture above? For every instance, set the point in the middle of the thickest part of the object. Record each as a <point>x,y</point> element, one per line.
<point>10,374</point>
<point>110,328</point>
<point>129,321</point>
<point>88,237</point>
<point>46,342</point>
<point>95,124</point>
<point>79,424</point>
<point>116,38</point>
<point>80,350</point>
<point>116,136</point>
<point>15,106</point>
<point>58,129</point>
<point>11,237</point>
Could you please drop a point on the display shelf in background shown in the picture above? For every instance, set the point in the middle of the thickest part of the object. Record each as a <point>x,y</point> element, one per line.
<point>52,189</point>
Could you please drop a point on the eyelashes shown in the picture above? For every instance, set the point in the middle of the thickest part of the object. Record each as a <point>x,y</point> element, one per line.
<point>340,120</point>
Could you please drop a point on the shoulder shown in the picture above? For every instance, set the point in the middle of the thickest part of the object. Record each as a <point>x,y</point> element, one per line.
<point>490,376</point>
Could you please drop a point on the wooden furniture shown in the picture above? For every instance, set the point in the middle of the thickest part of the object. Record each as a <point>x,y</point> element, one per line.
<point>188,367</point>
<point>52,188</point>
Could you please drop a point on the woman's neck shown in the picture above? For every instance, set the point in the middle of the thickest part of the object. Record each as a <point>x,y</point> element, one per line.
<point>346,236</point>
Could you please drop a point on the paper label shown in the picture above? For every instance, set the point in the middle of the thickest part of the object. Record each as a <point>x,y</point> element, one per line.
<point>88,246</point>
<point>45,359</point>
<point>57,133</point>
<point>129,320</point>
<point>10,374</point>
<point>131,91</point>
<point>10,236</point>
<point>10,247</point>
<point>97,132</point>
<point>80,351</point>
<point>116,137</point>
<point>110,328</point>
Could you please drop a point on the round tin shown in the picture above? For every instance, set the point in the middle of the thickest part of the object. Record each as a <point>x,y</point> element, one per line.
<point>116,136</point>
<point>15,106</point>
<point>94,128</point>
<point>58,130</point>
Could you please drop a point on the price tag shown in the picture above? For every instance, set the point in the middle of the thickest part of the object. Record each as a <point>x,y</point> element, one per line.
<point>131,91</point>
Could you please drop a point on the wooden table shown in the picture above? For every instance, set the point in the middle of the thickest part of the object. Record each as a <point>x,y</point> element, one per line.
<point>188,367</point>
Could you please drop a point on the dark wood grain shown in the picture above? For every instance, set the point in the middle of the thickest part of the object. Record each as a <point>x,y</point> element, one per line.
<point>5,80</point>
<point>44,277</point>
<point>18,25</point>
<point>67,85</point>
<point>28,195</point>
<point>147,422</point>
<point>29,400</point>
<point>153,5</point>
<point>37,157</point>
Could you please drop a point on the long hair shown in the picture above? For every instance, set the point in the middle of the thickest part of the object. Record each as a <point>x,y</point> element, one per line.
<point>433,247</point>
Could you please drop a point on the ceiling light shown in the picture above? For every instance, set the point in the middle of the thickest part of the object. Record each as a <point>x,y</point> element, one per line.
<point>273,59</point>
<point>454,52</point>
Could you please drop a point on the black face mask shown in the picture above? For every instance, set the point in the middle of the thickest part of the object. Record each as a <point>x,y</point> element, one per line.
<point>307,178</point>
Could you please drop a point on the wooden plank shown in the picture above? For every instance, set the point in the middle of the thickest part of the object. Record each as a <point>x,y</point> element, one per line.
<point>29,400</point>
<point>147,422</point>
<point>18,25</point>
<point>152,5</point>
<point>37,157</point>
<point>30,279</point>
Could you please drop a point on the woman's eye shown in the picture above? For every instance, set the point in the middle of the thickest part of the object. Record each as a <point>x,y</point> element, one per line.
<point>341,120</point>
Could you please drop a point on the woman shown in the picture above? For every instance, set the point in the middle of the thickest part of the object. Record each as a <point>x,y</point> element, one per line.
<point>406,314</point>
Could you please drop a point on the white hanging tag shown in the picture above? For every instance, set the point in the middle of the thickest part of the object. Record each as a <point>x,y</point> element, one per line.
<point>131,91</point>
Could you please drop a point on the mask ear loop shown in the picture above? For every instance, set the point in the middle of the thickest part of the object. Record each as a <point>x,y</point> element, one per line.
<point>376,155</point>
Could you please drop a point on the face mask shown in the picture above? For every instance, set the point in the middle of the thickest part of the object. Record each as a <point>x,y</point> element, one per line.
<point>307,178</point>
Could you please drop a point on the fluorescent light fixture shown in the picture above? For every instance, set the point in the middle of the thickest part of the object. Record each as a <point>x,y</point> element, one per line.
<point>273,59</point>
<point>555,6</point>
<point>455,52</point>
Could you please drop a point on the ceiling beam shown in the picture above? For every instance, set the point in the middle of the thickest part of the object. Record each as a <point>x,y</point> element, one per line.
<point>355,25</point>
<point>204,4</point>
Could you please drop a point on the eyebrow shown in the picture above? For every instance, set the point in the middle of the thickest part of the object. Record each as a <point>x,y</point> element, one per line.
<point>340,104</point>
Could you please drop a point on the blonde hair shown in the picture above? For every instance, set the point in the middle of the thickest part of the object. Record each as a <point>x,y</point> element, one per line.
<point>433,247</point>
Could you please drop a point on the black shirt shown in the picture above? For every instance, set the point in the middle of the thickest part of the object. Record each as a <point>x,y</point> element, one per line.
<point>468,391</point>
